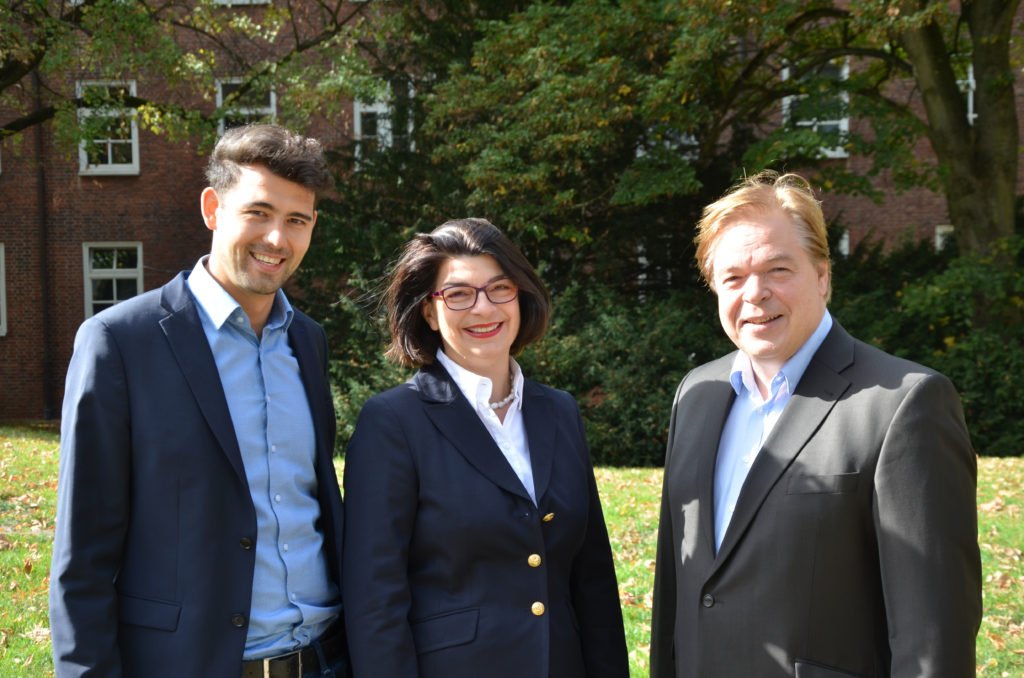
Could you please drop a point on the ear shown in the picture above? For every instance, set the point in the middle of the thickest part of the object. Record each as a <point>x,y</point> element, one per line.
<point>209,202</point>
<point>824,275</point>
<point>429,310</point>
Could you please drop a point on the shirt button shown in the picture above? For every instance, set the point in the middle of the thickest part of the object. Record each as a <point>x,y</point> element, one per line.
<point>284,547</point>
<point>708,600</point>
<point>237,620</point>
<point>277,497</point>
<point>273,448</point>
<point>534,560</point>
<point>537,609</point>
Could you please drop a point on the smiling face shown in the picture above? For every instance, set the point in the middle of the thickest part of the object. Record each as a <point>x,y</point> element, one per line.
<point>478,338</point>
<point>771,295</point>
<point>261,230</point>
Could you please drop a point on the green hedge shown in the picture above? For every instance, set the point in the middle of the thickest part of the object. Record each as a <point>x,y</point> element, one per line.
<point>622,354</point>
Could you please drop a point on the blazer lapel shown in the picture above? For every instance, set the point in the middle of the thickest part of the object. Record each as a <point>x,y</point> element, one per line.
<point>817,393</point>
<point>716,404</point>
<point>541,434</point>
<point>184,332</point>
<point>311,369</point>
<point>457,421</point>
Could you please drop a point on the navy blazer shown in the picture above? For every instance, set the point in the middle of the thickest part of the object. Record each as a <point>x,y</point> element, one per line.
<point>155,536</point>
<point>446,555</point>
<point>853,549</point>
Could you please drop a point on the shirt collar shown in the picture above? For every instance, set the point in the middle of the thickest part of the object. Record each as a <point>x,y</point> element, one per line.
<point>742,375</point>
<point>221,306</point>
<point>476,388</point>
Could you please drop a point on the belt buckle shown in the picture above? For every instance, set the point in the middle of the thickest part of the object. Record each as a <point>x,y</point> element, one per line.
<point>284,659</point>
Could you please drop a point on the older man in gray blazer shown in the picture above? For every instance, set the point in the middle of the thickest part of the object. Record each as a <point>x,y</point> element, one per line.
<point>818,514</point>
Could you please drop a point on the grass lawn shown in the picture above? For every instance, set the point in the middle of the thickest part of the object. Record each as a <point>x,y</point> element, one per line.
<point>28,483</point>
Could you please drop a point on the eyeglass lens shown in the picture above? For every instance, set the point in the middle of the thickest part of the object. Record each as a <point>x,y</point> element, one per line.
<point>461,297</point>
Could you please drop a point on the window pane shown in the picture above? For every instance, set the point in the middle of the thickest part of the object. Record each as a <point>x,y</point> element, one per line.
<point>102,289</point>
<point>369,121</point>
<point>254,98</point>
<point>96,308</point>
<point>120,154</point>
<point>97,154</point>
<point>128,258</point>
<point>102,258</point>
<point>121,128</point>
<point>126,288</point>
<point>235,121</point>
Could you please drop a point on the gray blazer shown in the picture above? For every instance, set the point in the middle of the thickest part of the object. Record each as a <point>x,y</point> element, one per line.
<point>853,548</point>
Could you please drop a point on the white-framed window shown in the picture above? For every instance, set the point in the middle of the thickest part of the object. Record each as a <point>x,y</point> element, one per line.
<point>943,233</point>
<point>837,127</point>
<point>371,125</point>
<point>112,143</point>
<point>113,273</point>
<point>968,87</point>
<point>386,122</point>
<point>843,246</point>
<point>255,105</point>
<point>3,291</point>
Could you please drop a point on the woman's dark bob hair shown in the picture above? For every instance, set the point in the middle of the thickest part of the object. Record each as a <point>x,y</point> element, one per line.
<point>413,342</point>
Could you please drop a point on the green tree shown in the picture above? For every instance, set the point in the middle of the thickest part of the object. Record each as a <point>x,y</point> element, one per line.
<point>572,117</point>
<point>177,48</point>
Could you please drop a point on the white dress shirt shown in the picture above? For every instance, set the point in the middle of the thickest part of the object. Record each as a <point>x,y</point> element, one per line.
<point>510,434</point>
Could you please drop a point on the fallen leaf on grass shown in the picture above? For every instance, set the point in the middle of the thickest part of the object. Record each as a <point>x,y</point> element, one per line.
<point>997,641</point>
<point>39,634</point>
<point>996,504</point>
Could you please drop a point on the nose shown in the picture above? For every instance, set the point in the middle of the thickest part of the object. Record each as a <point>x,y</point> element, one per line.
<point>482,300</point>
<point>755,290</point>
<point>275,235</point>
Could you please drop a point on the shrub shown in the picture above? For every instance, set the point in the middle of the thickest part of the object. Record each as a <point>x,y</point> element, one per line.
<point>622,357</point>
<point>975,310</point>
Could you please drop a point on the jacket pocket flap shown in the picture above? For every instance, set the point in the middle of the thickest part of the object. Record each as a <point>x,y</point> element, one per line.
<point>155,614</point>
<point>837,484</point>
<point>445,630</point>
<point>812,670</point>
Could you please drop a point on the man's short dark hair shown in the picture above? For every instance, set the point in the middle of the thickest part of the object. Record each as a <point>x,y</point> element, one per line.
<point>413,342</point>
<point>287,154</point>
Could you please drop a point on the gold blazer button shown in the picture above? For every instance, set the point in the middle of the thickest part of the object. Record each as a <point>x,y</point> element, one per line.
<point>537,609</point>
<point>548,518</point>
<point>534,560</point>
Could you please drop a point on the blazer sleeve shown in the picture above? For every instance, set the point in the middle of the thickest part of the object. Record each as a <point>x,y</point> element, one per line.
<point>92,508</point>
<point>926,522</point>
<point>595,589</point>
<point>663,614</point>
<point>380,511</point>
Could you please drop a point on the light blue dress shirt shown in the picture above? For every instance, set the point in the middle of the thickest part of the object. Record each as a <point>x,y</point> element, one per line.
<point>293,599</point>
<point>751,421</point>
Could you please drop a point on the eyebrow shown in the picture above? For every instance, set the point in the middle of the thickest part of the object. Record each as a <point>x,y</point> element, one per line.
<point>455,283</point>
<point>782,257</point>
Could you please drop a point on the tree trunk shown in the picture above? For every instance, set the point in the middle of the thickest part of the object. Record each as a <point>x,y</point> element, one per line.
<point>978,161</point>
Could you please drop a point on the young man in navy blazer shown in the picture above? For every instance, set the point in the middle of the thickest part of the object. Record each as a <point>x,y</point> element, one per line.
<point>198,516</point>
<point>818,517</point>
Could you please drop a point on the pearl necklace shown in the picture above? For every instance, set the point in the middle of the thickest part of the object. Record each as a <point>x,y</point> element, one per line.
<point>509,398</point>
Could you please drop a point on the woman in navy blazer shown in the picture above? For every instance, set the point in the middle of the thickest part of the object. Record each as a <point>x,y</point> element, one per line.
<point>475,544</point>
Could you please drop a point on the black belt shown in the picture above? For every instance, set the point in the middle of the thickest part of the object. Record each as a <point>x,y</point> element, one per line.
<point>296,664</point>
